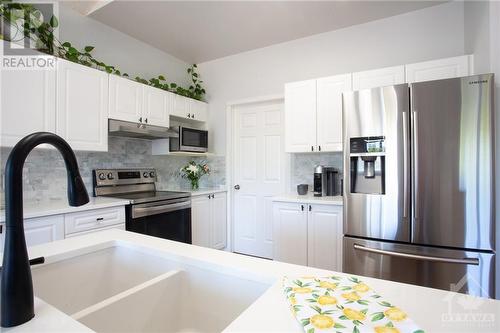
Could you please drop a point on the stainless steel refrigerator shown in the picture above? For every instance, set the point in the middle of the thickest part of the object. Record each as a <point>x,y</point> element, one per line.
<point>419,184</point>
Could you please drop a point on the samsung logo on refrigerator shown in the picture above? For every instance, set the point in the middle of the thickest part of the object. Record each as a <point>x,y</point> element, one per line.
<point>478,81</point>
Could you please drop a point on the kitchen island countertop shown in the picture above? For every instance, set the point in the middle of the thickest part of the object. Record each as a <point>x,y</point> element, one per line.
<point>430,308</point>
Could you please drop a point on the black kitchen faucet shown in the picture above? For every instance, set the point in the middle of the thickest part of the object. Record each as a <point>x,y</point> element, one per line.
<point>17,285</point>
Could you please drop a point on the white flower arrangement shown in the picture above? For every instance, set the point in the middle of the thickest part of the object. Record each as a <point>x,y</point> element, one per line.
<point>193,171</point>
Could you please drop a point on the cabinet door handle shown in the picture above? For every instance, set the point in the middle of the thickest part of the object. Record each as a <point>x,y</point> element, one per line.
<point>146,120</point>
<point>37,261</point>
<point>192,116</point>
<point>319,148</point>
<point>302,207</point>
<point>213,196</point>
<point>99,219</point>
<point>312,148</point>
<point>1,229</point>
<point>209,196</point>
<point>140,119</point>
<point>189,115</point>
<point>310,207</point>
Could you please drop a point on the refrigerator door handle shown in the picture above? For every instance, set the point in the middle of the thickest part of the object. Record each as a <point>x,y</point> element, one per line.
<point>464,261</point>
<point>414,167</point>
<point>405,165</point>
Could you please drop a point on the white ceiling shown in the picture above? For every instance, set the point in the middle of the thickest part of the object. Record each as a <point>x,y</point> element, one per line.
<point>199,31</point>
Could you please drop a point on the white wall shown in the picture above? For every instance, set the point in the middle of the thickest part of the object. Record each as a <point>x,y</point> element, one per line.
<point>431,33</point>
<point>118,49</point>
<point>477,33</point>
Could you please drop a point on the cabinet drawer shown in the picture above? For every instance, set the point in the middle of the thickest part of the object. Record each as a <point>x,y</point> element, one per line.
<point>116,226</point>
<point>93,219</point>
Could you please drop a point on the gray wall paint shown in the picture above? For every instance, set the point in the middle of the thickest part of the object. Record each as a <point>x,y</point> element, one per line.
<point>431,33</point>
<point>116,48</point>
<point>44,173</point>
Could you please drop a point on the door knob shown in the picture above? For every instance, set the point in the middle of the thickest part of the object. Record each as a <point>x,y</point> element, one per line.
<point>236,187</point>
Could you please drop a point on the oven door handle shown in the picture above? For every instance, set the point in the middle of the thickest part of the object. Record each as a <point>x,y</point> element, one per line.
<point>153,210</point>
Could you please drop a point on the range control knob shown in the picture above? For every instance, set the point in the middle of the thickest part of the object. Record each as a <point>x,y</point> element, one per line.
<point>102,176</point>
<point>110,176</point>
<point>145,175</point>
<point>152,174</point>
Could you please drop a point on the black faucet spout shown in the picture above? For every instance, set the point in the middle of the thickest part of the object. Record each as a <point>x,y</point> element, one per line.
<point>17,286</point>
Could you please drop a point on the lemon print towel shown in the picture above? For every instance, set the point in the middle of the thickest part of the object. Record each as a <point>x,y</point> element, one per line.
<point>343,304</point>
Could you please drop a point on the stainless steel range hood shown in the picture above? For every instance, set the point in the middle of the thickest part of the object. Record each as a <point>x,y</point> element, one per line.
<point>139,131</point>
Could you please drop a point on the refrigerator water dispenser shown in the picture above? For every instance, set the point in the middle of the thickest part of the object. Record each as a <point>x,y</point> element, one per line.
<point>367,164</point>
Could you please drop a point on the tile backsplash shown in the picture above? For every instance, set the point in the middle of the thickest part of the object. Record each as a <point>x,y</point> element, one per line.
<point>302,166</point>
<point>44,173</point>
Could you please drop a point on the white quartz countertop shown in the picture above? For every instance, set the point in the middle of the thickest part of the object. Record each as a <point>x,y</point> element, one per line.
<point>200,191</point>
<point>429,308</point>
<point>309,198</point>
<point>61,206</point>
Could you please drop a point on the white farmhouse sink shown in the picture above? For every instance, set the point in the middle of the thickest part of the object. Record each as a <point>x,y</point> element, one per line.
<point>126,289</point>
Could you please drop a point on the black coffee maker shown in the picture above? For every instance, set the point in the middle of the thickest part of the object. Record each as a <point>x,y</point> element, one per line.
<point>326,181</point>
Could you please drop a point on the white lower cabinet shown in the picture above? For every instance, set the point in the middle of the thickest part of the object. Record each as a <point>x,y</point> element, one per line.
<point>324,237</point>
<point>218,219</point>
<point>39,230</point>
<point>209,220</point>
<point>200,220</point>
<point>290,233</point>
<point>120,226</point>
<point>48,229</point>
<point>93,219</point>
<point>308,234</point>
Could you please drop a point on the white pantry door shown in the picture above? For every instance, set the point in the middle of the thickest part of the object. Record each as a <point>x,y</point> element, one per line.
<point>259,171</point>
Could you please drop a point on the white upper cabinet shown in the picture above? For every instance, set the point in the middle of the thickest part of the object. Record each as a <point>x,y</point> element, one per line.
<point>181,107</point>
<point>82,106</point>
<point>300,116</point>
<point>329,111</point>
<point>378,78</point>
<point>125,99</point>
<point>189,108</point>
<point>198,110</point>
<point>28,104</point>
<point>440,69</point>
<point>313,114</point>
<point>156,106</point>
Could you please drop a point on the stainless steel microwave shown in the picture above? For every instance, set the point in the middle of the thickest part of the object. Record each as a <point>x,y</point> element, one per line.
<point>190,140</point>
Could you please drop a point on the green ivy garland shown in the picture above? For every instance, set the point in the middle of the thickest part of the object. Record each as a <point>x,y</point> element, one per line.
<point>41,32</point>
